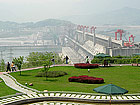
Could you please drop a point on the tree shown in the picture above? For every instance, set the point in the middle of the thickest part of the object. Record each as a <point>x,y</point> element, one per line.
<point>34,59</point>
<point>18,62</point>
<point>47,62</point>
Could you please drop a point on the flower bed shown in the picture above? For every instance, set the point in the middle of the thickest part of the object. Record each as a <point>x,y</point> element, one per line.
<point>86,79</point>
<point>86,65</point>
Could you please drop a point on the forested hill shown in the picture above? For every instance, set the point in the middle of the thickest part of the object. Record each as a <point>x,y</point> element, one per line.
<point>47,22</point>
<point>13,29</point>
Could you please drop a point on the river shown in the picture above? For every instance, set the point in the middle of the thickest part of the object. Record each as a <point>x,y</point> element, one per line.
<point>9,52</point>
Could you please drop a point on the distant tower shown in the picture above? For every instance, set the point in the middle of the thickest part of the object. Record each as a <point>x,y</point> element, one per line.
<point>1,59</point>
<point>1,55</point>
<point>10,54</point>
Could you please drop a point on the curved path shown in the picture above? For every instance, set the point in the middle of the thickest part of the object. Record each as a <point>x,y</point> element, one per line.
<point>12,84</point>
<point>32,95</point>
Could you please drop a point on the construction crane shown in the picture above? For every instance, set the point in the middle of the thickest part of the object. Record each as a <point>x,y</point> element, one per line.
<point>131,36</point>
<point>120,31</point>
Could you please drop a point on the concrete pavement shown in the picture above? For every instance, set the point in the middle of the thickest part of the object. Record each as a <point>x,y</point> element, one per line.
<point>12,84</point>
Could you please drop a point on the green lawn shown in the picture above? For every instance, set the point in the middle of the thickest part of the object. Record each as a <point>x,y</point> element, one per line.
<point>127,77</point>
<point>5,90</point>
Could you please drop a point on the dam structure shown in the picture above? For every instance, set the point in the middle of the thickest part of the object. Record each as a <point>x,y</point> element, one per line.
<point>76,42</point>
<point>86,42</point>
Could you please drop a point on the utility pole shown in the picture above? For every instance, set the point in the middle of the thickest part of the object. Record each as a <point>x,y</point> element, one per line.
<point>1,55</point>
<point>10,55</point>
<point>1,59</point>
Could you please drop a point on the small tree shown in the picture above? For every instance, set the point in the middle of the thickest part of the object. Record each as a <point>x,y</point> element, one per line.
<point>45,70</point>
<point>47,62</point>
<point>33,58</point>
<point>18,62</point>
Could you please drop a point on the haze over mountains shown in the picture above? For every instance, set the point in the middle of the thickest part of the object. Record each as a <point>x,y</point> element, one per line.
<point>13,29</point>
<point>123,16</point>
<point>43,23</point>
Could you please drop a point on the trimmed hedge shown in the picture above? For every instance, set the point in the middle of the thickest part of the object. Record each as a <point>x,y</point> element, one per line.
<point>86,79</point>
<point>86,65</point>
<point>117,60</point>
<point>51,74</point>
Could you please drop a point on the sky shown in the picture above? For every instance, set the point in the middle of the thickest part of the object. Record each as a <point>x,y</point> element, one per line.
<point>37,10</point>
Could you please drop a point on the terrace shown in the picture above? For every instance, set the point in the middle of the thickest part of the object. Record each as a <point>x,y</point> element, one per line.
<point>59,89</point>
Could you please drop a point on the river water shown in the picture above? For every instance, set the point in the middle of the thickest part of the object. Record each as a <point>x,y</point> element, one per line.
<point>9,52</point>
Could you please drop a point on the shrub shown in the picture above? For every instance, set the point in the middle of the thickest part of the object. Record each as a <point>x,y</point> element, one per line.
<point>118,60</point>
<point>86,79</point>
<point>86,65</point>
<point>51,74</point>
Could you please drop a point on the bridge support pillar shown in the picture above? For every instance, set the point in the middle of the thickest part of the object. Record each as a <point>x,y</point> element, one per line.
<point>109,42</point>
<point>94,39</point>
<point>84,37</point>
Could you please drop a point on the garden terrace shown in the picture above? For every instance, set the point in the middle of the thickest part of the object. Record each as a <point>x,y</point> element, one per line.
<point>125,76</point>
<point>128,81</point>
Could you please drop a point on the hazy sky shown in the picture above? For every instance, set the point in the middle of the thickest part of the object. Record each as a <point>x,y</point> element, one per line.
<point>36,10</point>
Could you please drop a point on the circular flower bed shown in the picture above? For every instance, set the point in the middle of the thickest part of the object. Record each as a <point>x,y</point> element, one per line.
<point>86,79</point>
<point>86,65</point>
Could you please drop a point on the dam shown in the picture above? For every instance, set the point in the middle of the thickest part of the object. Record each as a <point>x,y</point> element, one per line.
<point>87,43</point>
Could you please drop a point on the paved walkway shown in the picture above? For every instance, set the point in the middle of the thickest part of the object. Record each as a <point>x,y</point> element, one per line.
<point>50,66</point>
<point>12,84</point>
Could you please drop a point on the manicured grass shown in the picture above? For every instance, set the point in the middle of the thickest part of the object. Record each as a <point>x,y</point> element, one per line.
<point>127,77</point>
<point>5,90</point>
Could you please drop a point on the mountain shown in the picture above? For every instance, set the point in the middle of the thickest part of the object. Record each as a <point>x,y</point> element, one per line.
<point>47,22</point>
<point>50,22</point>
<point>13,29</point>
<point>123,16</point>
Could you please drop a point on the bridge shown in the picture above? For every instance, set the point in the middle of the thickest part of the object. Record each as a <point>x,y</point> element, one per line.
<point>83,43</point>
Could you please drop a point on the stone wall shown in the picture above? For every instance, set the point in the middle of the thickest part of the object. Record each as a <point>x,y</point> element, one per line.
<point>124,51</point>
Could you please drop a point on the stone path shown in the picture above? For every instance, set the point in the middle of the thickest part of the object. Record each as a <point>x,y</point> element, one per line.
<point>50,66</point>
<point>11,82</point>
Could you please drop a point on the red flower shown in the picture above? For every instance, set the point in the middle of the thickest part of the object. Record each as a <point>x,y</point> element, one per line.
<point>85,65</point>
<point>86,79</point>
